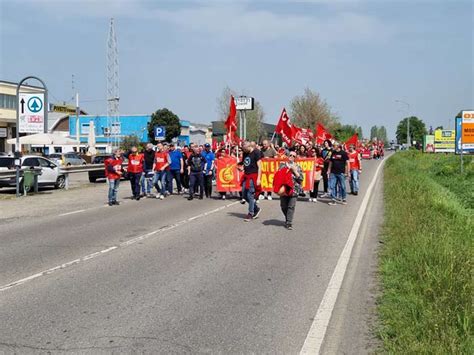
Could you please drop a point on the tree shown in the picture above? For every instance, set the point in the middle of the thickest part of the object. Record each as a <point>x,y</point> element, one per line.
<point>359,132</point>
<point>169,120</point>
<point>129,141</point>
<point>417,130</point>
<point>308,109</point>
<point>343,132</point>
<point>255,118</point>
<point>374,131</point>
<point>382,134</point>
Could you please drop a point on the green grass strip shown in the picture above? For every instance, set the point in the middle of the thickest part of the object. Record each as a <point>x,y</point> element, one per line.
<point>427,255</point>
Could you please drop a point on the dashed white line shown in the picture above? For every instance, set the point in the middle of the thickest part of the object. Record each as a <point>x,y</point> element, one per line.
<point>317,332</point>
<point>102,252</point>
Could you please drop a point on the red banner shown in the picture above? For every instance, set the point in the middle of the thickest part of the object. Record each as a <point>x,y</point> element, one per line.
<point>271,165</point>
<point>227,175</point>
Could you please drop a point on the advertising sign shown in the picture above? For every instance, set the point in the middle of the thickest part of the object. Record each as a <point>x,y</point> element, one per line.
<point>467,129</point>
<point>458,139</point>
<point>444,141</point>
<point>31,112</point>
<point>428,143</point>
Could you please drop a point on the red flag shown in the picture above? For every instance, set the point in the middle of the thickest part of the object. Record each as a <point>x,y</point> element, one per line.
<point>354,140</point>
<point>283,127</point>
<point>321,134</point>
<point>214,144</point>
<point>301,135</point>
<point>231,123</point>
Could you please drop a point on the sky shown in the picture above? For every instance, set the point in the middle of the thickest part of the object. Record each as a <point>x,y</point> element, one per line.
<point>360,56</point>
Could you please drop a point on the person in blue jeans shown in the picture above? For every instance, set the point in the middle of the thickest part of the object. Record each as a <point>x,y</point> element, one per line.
<point>161,163</point>
<point>252,166</point>
<point>176,168</point>
<point>338,171</point>
<point>147,177</point>
<point>209,169</point>
<point>196,164</point>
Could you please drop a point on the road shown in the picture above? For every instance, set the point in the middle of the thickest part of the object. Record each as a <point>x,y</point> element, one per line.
<point>173,276</point>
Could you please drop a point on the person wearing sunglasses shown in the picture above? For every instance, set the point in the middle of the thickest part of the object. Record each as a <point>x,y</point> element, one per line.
<point>288,201</point>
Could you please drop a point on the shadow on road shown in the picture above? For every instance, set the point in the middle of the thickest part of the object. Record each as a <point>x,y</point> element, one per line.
<point>274,222</point>
<point>238,215</point>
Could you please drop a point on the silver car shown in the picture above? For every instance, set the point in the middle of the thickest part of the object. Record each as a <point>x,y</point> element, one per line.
<point>67,159</point>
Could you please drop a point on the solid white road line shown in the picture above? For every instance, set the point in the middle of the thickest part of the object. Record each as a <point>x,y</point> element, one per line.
<point>317,332</point>
<point>69,213</point>
<point>105,251</point>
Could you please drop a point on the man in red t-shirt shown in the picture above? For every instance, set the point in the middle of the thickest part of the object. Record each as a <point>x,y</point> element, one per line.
<point>355,170</point>
<point>113,173</point>
<point>162,162</point>
<point>135,171</point>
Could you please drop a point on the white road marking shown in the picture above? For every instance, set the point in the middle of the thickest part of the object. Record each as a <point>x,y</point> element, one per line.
<point>102,252</point>
<point>317,332</point>
<point>69,213</point>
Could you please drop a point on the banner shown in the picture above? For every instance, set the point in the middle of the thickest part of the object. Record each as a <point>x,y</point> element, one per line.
<point>271,165</point>
<point>227,175</point>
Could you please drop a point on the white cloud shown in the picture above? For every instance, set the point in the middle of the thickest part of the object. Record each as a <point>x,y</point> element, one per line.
<point>258,25</point>
<point>226,19</point>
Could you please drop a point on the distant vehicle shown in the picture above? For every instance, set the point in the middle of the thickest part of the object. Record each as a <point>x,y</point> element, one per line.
<point>100,174</point>
<point>3,154</point>
<point>50,173</point>
<point>67,159</point>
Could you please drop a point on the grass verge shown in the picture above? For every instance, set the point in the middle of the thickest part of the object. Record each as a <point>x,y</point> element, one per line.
<point>426,259</point>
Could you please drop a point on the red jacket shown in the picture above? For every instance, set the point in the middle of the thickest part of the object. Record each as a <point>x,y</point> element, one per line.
<point>135,163</point>
<point>283,177</point>
<point>112,166</point>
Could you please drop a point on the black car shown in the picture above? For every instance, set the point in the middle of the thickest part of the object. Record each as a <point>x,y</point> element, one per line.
<point>100,174</point>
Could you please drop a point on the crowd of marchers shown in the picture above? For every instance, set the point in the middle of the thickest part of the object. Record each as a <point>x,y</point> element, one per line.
<point>164,169</point>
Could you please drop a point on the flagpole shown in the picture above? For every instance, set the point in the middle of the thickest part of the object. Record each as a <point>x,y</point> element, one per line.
<point>273,136</point>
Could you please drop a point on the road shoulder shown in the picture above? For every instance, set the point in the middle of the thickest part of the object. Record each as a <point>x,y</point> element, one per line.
<point>350,330</point>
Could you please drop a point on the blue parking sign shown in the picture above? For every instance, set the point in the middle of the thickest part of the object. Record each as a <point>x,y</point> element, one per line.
<point>160,133</point>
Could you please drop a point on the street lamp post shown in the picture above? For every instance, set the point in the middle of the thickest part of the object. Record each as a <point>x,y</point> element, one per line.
<point>408,121</point>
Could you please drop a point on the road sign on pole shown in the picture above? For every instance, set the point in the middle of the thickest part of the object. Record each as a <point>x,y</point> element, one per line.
<point>28,105</point>
<point>31,112</point>
<point>160,133</point>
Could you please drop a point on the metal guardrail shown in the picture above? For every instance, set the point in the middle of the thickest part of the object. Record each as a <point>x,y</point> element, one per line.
<point>66,170</point>
<point>12,174</point>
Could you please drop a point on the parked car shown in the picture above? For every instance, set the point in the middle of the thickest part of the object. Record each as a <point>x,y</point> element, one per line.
<point>100,174</point>
<point>50,172</point>
<point>67,159</point>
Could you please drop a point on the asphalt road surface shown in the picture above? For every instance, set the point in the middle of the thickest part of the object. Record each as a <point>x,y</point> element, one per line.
<point>176,276</point>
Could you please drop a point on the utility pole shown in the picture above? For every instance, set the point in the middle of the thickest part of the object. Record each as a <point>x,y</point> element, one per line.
<point>113,92</point>
<point>77,124</point>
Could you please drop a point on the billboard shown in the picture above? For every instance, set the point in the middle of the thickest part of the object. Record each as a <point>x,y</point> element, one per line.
<point>428,144</point>
<point>467,149</point>
<point>467,132</point>
<point>444,141</point>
